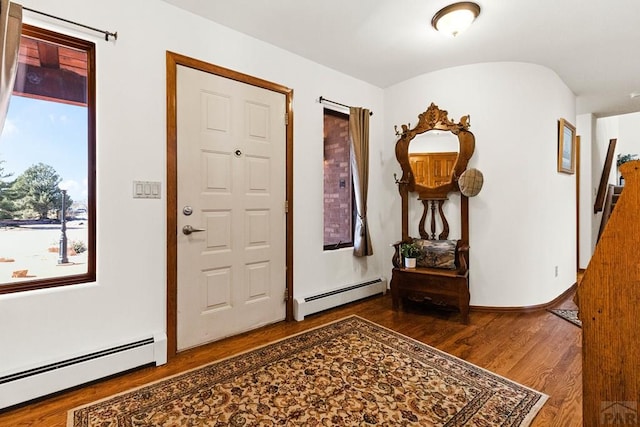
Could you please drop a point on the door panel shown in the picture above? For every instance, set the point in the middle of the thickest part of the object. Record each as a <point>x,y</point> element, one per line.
<point>231,149</point>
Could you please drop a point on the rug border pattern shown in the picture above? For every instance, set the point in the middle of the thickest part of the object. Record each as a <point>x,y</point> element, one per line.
<point>559,312</point>
<point>275,350</point>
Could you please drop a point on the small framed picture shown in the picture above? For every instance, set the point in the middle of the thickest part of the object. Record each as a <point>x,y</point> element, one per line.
<point>566,147</point>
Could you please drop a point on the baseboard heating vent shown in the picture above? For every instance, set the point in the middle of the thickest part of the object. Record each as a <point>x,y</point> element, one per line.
<point>43,380</point>
<point>303,306</point>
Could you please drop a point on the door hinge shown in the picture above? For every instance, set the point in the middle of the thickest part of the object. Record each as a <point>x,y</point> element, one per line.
<point>286,206</point>
<point>286,118</point>
<point>286,294</point>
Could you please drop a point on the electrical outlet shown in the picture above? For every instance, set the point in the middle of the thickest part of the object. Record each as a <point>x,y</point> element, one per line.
<point>556,271</point>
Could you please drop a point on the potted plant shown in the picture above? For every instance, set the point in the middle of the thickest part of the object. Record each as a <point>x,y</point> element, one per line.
<point>622,159</point>
<point>410,252</point>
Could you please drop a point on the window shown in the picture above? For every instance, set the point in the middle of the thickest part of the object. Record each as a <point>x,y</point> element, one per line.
<point>338,184</point>
<point>47,165</point>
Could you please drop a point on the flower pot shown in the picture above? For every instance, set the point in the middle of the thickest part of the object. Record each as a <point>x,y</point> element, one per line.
<point>410,262</point>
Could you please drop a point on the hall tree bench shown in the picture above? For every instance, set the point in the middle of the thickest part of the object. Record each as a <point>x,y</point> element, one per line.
<point>434,156</point>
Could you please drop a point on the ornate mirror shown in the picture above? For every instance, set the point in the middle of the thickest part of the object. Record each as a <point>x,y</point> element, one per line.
<point>432,156</point>
<point>434,153</point>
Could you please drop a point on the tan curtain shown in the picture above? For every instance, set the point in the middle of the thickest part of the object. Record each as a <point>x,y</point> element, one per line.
<point>359,132</point>
<point>10,30</point>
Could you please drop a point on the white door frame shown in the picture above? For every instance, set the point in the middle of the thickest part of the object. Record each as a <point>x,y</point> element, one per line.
<point>173,60</point>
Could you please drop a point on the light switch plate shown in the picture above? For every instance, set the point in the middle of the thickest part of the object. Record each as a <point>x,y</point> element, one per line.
<point>146,189</point>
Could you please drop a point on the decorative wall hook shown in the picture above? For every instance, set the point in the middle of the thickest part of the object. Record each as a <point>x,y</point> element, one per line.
<point>405,128</point>
<point>398,181</point>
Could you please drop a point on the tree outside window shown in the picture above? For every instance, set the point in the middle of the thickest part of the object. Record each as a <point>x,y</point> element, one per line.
<point>47,164</point>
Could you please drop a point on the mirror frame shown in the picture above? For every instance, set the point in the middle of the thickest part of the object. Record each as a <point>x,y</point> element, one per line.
<point>434,119</point>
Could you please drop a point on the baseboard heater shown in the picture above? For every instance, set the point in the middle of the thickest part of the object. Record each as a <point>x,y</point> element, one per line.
<point>29,384</point>
<point>303,306</point>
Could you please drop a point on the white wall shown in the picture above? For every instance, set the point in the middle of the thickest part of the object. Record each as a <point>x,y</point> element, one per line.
<point>523,222</point>
<point>625,129</point>
<point>629,134</point>
<point>128,300</point>
<point>585,127</point>
<point>607,128</point>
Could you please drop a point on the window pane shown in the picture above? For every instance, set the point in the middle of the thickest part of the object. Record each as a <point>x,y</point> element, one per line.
<point>46,153</point>
<point>338,189</point>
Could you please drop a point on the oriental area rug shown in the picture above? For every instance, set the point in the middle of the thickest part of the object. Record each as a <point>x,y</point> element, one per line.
<point>568,315</point>
<point>348,373</point>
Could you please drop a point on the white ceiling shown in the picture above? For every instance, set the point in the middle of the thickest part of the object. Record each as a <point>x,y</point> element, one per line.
<point>593,45</point>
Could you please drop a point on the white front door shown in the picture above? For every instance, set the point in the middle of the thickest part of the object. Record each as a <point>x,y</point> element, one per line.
<point>231,148</point>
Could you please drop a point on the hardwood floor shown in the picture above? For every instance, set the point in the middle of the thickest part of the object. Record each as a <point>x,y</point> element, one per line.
<point>536,349</point>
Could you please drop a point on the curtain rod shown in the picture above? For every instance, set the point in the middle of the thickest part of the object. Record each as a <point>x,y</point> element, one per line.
<point>323,99</point>
<point>107,34</point>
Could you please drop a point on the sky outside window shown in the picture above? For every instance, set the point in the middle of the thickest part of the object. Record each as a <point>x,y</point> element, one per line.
<point>52,133</point>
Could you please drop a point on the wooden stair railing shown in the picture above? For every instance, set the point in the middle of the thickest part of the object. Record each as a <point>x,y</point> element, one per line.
<point>606,169</point>
<point>613,194</point>
<point>608,298</point>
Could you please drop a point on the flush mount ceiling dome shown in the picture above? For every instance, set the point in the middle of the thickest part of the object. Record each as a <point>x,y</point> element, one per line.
<point>455,18</point>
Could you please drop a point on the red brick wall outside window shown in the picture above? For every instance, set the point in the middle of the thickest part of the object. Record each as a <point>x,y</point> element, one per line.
<point>338,187</point>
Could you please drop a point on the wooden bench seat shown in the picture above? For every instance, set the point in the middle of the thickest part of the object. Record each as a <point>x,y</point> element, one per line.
<point>440,287</point>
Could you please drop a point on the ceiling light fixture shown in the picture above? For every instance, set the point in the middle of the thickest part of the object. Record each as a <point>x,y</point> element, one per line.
<point>455,18</point>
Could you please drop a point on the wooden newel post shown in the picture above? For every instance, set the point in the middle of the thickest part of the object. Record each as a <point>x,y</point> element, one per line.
<point>609,301</point>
